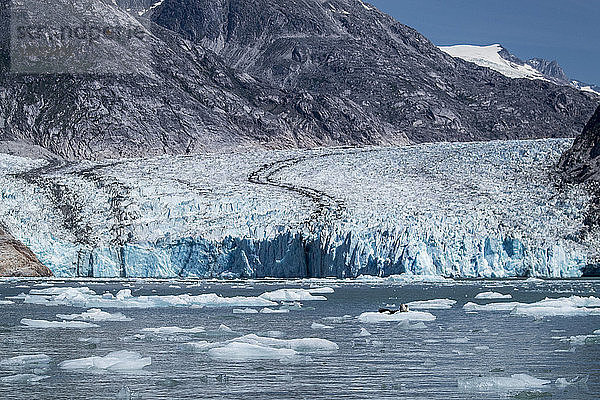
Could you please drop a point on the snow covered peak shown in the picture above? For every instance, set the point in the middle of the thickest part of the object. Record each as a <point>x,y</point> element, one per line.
<point>501,60</point>
<point>494,57</point>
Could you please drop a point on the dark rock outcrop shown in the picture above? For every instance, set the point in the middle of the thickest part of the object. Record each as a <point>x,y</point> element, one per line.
<point>581,163</point>
<point>17,260</point>
<point>201,75</point>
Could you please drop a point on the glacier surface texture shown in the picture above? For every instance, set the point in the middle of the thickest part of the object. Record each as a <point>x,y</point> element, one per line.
<point>453,210</point>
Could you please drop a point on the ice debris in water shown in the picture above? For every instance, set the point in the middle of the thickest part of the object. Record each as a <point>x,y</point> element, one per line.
<point>492,296</point>
<point>291,295</point>
<point>492,383</point>
<point>43,324</point>
<point>173,330</point>
<point>245,311</point>
<point>316,325</point>
<point>116,361</point>
<point>563,382</point>
<point>32,361</point>
<point>321,290</point>
<point>85,297</point>
<point>403,278</point>
<point>243,352</point>
<point>23,378</point>
<point>254,347</point>
<point>363,333</point>
<point>268,310</point>
<point>6,302</point>
<point>407,325</point>
<point>377,317</point>
<point>564,306</point>
<point>225,328</point>
<point>436,304</point>
<point>96,315</point>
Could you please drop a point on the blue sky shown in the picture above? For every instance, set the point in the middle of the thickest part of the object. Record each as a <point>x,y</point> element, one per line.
<point>564,30</point>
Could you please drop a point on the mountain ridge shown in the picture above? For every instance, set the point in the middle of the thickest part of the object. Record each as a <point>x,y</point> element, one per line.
<point>236,75</point>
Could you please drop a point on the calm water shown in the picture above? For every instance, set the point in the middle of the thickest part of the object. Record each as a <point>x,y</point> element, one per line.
<point>392,363</point>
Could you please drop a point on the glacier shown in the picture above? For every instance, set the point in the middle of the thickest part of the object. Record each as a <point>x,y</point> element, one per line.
<point>457,210</point>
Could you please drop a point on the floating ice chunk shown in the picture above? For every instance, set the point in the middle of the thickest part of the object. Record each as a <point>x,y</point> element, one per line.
<point>267,310</point>
<point>300,345</point>
<point>482,348</point>
<point>244,352</point>
<point>40,323</point>
<point>225,328</point>
<point>508,306</point>
<point>409,326</point>
<point>173,330</point>
<point>23,378</point>
<point>363,333</point>
<point>436,304</point>
<point>321,290</point>
<point>516,381</point>
<point>291,295</point>
<point>581,340</point>
<point>460,340</point>
<point>563,382</point>
<point>377,317</point>
<point>84,297</point>
<point>32,361</point>
<point>117,361</point>
<point>95,314</point>
<point>492,296</point>
<point>316,325</point>
<point>597,332</point>
<point>245,311</point>
<point>339,320</point>
<point>6,302</point>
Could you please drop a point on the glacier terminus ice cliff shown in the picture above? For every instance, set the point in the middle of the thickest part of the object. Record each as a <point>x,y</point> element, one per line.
<point>468,210</point>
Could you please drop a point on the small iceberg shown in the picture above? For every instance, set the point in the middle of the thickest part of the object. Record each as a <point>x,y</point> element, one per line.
<point>117,361</point>
<point>377,317</point>
<point>291,295</point>
<point>436,304</point>
<point>493,296</point>
<point>316,326</point>
<point>245,352</point>
<point>96,315</point>
<point>43,324</point>
<point>23,378</point>
<point>493,383</point>
<point>173,330</point>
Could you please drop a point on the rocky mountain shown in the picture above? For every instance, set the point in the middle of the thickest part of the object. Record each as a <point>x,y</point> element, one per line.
<point>197,75</point>
<point>581,163</point>
<point>18,260</point>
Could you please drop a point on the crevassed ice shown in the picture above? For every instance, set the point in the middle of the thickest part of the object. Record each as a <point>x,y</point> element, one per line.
<point>473,210</point>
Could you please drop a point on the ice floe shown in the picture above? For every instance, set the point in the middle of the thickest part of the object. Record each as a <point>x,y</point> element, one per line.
<point>492,383</point>
<point>291,295</point>
<point>316,325</point>
<point>244,352</point>
<point>321,290</point>
<point>117,361</point>
<point>29,361</point>
<point>492,296</point>
<point>23,378</point>
<point>436,304</point>
<point>245,311</point>
<point>377,317</point>
<point>85,297</point>
<point>560,307</point>
<point>363,333</point>
<point>96,315</point>
<point>407,325</point>
<point>268,310</point>
<point>173,330</point>
<point>43,324</point>
<point>6,302</point>
<point>508,306</point>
